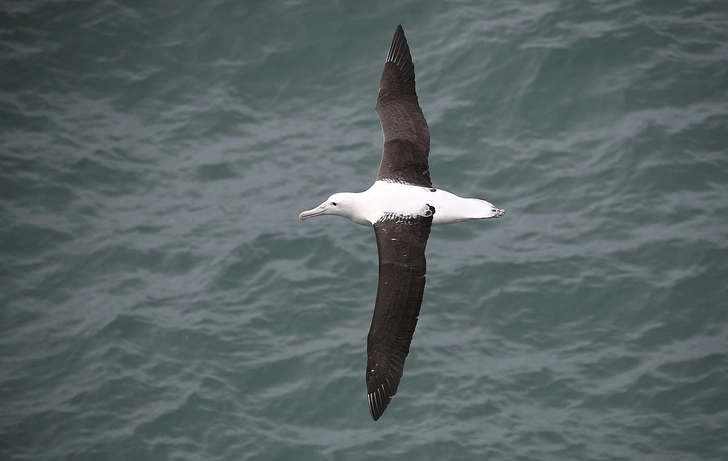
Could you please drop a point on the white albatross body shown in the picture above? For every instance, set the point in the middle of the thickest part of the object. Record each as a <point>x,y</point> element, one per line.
<point>391,198</point>
<point>401,207</point>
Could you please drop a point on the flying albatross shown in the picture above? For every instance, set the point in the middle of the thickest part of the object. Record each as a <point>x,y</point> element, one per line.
<point>401,206</point>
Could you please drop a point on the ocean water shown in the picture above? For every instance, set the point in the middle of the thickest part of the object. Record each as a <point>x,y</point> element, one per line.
<point>160,300</point>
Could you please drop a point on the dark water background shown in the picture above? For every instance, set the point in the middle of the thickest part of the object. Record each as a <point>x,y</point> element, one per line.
<point>160,300</point>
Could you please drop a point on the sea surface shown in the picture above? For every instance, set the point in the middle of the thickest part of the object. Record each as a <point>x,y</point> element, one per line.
<point>160,300</point>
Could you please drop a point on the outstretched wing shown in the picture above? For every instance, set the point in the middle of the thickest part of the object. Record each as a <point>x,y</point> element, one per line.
<point>406,134</point>
<point>401,243</point>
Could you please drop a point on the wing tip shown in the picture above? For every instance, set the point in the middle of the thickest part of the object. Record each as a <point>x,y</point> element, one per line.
<point>399,49</point>
<point>378,401</point>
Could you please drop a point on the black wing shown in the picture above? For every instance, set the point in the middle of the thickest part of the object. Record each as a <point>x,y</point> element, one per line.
<point>406,135</point>
<point>401,243</point>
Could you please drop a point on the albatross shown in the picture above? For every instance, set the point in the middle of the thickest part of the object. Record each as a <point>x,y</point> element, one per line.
<point>401,206</point>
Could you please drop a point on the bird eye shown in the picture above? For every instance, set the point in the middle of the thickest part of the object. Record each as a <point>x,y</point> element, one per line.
<point>333,203</point>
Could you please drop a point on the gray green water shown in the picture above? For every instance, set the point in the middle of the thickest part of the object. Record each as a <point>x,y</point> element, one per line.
<point>160,300</point>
